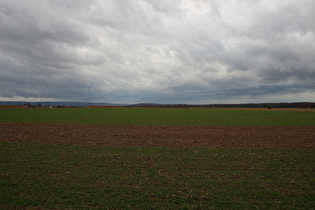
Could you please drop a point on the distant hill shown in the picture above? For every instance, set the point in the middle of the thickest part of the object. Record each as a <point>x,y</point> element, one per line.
<point>146,105</point>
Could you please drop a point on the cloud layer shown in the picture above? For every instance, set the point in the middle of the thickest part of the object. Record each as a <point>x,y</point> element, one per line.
<point>161,51</point>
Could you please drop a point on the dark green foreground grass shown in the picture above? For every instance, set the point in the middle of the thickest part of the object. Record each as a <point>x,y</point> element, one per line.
<point>74,176</point>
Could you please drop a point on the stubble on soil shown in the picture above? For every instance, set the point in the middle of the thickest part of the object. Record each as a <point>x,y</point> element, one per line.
<point>160,135</point>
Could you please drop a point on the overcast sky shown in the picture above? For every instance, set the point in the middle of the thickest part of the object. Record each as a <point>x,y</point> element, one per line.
<point>158,51</point>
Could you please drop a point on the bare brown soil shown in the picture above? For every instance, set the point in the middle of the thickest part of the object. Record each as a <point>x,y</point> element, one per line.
<point>161,135</point>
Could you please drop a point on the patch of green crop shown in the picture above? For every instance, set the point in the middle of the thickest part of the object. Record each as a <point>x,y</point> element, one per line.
<point>74,176</point>
<point>156,116</point>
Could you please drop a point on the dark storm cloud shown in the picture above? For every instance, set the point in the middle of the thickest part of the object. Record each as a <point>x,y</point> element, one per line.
<point>157,51</point>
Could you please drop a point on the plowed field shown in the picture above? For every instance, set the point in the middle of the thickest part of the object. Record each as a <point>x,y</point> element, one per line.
<point>161,135</point>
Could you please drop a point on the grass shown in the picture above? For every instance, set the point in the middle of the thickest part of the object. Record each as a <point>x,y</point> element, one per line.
<point>73,176</point>
<point>156,116</point>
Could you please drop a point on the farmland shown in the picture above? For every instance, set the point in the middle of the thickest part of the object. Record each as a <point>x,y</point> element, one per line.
<point>156,116</point>
<point>157,158</point>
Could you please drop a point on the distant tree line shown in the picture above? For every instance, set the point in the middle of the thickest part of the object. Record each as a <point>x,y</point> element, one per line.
<point>303,105</point>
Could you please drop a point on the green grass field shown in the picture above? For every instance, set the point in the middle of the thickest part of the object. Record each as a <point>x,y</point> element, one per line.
<point>155,116</point>
<point>74,176</point>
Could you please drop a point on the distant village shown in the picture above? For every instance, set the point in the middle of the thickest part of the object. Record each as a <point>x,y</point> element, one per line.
<point>40,105</point>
